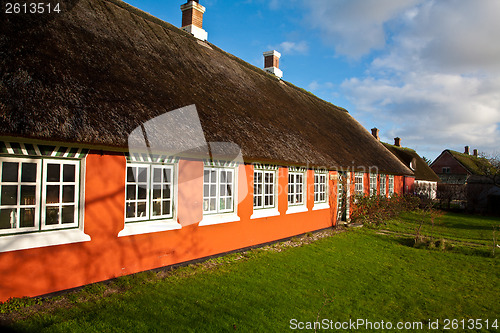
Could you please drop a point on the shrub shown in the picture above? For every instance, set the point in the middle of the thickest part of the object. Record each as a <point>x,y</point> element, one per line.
<point>377,209</point>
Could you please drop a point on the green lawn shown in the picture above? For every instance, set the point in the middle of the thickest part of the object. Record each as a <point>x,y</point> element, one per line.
<point>358,274</point>
<point>451,226</point>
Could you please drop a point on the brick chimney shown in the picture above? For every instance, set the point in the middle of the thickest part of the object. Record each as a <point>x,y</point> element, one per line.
<point>475,152</point>
<point>397,142</point>
<point>467,150</point>
<point>272,63</point>
<point>375,132</point>
<point>192,19</point>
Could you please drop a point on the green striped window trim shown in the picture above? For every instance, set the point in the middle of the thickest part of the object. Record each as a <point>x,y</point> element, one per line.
<point>150,158</point>
<point>258,166</point>
<point>33,149</point>
<point>220,164</point>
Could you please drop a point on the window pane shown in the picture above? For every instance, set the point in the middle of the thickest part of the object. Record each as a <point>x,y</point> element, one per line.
<point>157,175</point>
<point>9,195</point>
<point>131,209</point>
<point>52,215</point>
<point>157,208</point>
<point>206,204</point>
<point>213,190</point>
<point>69,173</point>
<point>205,190</point>
<point>130,175</point>
<point>68,214</point>
<point>7,218</point>
<point>52,193</point>
<point>69,193</point>
<point>28,173</point>
<point>27,217</point>
<point>229,203</point>
<point>28,193</point>
<point>213,176</point>
<point>131,194</point>
<point>206,176</point>
<point>222,190</point>
<point>141,209</point>
<point>223,176</point>
<point>166,207</point>
<point>142,192</point>
<point>9,171</point>
<point>53,172</point>
<point>229,189</point>
<point>143,175</point>
<point>156,192</point>
<point>222,204</point>
<point>167,175</point>
<point>212,204</point>
<point>166,191</point>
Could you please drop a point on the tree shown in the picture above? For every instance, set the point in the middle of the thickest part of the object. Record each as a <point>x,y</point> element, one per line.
<point>426,160</point>
<point>490,167</point>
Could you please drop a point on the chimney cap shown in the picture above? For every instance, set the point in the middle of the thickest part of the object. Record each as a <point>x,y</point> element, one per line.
<point>467,151</point>
<point>397,141</point>
<point>272,53</point>
<point>375,132</point>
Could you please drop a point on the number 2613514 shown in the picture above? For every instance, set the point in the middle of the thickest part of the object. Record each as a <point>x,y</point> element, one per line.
<point>32,8</point>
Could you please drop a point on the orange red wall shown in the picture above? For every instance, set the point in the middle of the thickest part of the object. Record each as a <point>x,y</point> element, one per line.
<point>44,270</point>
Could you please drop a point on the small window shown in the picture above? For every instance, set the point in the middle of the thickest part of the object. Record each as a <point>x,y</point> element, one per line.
<point>358,183</point>
<point>391,185</point>
<point>264,189</point>
<point>320,188</point>
<point>373,184</point>
<point>296,184</point>
<point>149,192</point>
<point>446,170</point>
<point>218,190</point>
<point>38,194</point>
<point>383,184</point>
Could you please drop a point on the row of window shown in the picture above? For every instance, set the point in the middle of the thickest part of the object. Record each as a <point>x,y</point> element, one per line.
<point>44,194</point>
<point>359,188</point>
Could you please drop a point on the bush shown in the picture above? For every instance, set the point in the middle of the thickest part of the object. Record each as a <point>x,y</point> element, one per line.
<point>377,209</point>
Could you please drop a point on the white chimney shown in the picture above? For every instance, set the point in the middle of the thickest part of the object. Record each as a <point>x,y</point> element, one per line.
<point>192,19</point>
<point>272,63</point>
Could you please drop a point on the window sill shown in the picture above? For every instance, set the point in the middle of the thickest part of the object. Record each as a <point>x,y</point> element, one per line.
<point>219,218</point>
<point>260,213</point>
<point>147,227</point>
<point>42,239</point>
<point>296,209</point>
<point>323,205</point>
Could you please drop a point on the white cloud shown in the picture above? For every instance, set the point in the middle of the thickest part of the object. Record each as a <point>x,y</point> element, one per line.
<point>287,47</point>
<point>354,27</point>
<point>436,77</point>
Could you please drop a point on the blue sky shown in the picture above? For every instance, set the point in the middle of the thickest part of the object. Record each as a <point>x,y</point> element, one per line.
<point>427,71</point>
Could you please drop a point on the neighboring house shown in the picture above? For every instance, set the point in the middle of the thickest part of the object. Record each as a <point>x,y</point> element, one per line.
<point>464,169</point>
<point>424,182</point>
<point>128,144</point>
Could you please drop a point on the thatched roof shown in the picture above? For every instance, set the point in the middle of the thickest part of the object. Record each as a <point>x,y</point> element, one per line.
<point>421,170</point>
<point>474,164</point>
<point>101,68</point>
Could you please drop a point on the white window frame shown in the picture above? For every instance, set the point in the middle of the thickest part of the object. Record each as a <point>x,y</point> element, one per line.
<point>150,223</point>
<point>383,185</point>
<point>269,189</point>
<point>391,185</point>
<point>321,186</point>
<point>373,184</point>
<point>60,183</point>
<point>217,215</point>
<point>42,235</point>
<point>296,206</point>
<point>358,183</point>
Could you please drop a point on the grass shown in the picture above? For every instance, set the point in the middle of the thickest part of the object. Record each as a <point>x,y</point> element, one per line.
<point>358,274</point>
<point>451,226</point>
